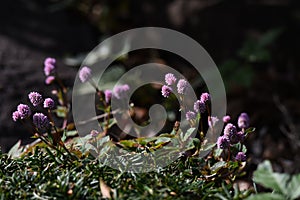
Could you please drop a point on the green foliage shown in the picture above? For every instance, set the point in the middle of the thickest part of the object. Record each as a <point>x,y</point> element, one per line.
<point>61,111</point>
<point>284,186</point>
<point>236,74</point>
<point>15,151</point>
<point>240,71</point>
<point>266,196</point>
<point>41,172</point>
<point>255,50</point>
<point>44,173</point>
<point>59,164</point>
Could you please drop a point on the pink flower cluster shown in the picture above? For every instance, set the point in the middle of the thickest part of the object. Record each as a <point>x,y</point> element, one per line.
<point>233,136</point>
<point>200,107</point>
<point>170,81</point>
<point>24,112</point>
<point>181,88</point>
<point>49,70</point>
<point>85,74</point>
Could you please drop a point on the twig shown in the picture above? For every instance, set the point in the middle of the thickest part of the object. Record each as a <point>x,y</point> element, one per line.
<point>98,117</point>
<point>292,134</point>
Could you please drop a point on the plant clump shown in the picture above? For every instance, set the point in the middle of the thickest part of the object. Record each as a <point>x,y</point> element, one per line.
<point>59,164</point>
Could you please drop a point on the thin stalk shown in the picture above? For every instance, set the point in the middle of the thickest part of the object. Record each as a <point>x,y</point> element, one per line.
<point>228,158</point>
<point>209,118</point>
<point>107,110</point>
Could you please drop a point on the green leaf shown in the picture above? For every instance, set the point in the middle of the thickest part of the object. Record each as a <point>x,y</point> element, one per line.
<point>61,111</point>
<point>293,188</point>
<point>253,52</point>
<point>87,147</point>
<point>129,143</point>
<point>249,130</point>
<point>233,164</point>
<point>244,149</point>
<point>143,140</point>
<point>57,161</point>
<point>196,142</point>
<point>111,122</point>
<point>265,176</point>
<point>190,145</point>
<point>266,196</point>
<point>217,152</point>
<point>188,134</point>
<point>166,135</point>
<point>15,151</point>
<point>220,196</point>
<point>269,37</point>
<point>162,140</point>
<point>64,137</point>
<point>72,133</point>
<point>102,141</point>
<point>208,146</point>
<point>224,187</point>
<point>216,167</point>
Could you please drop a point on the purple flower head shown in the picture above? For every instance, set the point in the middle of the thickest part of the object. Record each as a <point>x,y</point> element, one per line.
<point>120,91</point>
<point>94,133</point>
<point>170,79</point>
<point>49,61</point>
<point>49,103</point>
<point>85,74</point>
<point>40,120</point>
<point>204,97</point>
<point>223,142</point>
<point>229,130</point>
<point>108,94</point>
<point>182,86</point>
<point>226,118</point>
<point>35,98</point>
<point>166,91</point>
<point>241,156</point>
<point>49,80</point>
<point>49,66</point>
<point>190,115</point>
<point>243,120</point>
<point>24,111</point>
<point>212,121</point>
<point>236,137</point>
<point>199,106</point>
<point>16,116</point>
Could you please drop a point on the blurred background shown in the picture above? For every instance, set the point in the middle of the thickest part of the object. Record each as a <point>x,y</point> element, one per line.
<point>255,44</point>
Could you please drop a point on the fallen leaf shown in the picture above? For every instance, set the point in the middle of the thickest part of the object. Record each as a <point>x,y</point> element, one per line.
<point>105,190</point>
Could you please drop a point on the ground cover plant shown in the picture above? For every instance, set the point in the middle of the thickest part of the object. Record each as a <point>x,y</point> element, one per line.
<point>59,165</point>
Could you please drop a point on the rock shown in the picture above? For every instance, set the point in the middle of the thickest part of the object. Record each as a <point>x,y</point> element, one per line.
<point>29,33</point>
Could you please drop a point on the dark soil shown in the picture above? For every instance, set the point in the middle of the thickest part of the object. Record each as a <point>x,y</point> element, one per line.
<point>29,33</point>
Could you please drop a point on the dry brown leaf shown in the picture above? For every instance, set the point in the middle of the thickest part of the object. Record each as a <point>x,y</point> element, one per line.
<point>105,190</point>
